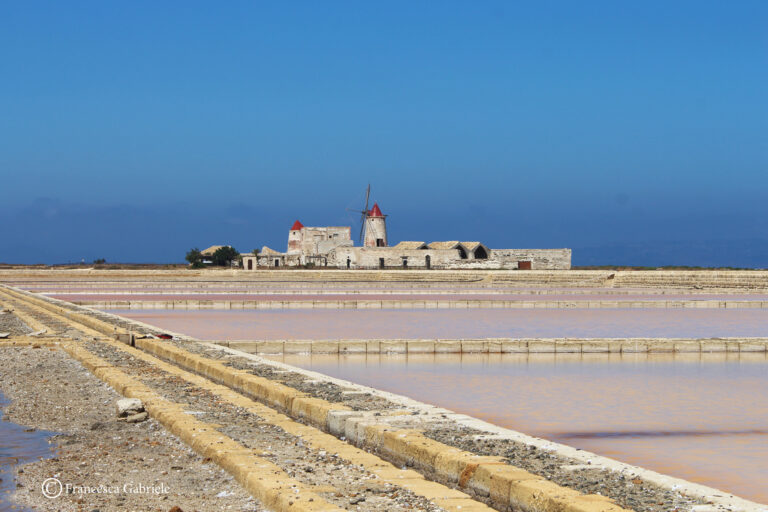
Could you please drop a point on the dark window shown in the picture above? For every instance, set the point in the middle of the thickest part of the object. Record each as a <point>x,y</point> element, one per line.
<point>277,263</point>
<point>250,264</point>
<point>428,261</point>
<point>379,242</point>
<point>381,262</point>
<point>405,262</point>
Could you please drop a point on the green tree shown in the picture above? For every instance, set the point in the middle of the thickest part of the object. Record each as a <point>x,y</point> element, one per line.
<point>255,252</point>
<point>224,256</point>
<point>99,261</point>
<point>195,258</point>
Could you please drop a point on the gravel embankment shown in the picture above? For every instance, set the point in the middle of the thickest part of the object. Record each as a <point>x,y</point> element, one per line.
<point>12,324</point>
<point>49,390</point>
<point>628,491</point>
<point>340,482</point>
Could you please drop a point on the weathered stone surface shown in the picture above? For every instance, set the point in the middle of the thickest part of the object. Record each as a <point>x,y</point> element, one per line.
<point>450,258</point>
<point>137,418</point>
<point>129,407</point>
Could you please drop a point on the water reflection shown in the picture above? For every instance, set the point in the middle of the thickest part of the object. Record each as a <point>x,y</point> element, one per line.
<point>18,445</point>
<point>702,417</point>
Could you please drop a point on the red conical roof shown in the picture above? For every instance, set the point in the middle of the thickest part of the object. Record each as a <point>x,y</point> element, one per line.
<point>375,211</point>
<point>297,226</point>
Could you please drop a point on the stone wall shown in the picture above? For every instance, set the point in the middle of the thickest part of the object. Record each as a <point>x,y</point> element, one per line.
<point>319,242</point>
<point>507,259</point>
<point>326,246</point>
<point>269,260</point>
<point>745,347</point>
<point>370,257</point>
<point>541,259</point>
<point>250,262</point>
<point>696,281</point>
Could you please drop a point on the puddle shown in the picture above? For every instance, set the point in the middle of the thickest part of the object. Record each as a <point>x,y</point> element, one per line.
<point>18,446</point>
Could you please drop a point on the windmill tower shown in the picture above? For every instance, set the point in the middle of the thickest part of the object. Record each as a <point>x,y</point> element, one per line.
<point>373,224</point>
<point>295,237</point>
<point>375,228</point>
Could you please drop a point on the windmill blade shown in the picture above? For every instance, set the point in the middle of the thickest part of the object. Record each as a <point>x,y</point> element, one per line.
<point>367,195</point>
<point>362,228</point>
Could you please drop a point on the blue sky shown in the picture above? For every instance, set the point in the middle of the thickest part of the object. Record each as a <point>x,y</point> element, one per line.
<point>635,133</point>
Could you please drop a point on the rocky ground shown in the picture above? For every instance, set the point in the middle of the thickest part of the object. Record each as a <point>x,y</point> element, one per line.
<point>10,323</point>
<point>340,482</point>
<point>49,390</point>
<point>629,492</point>
<point>325,390</point>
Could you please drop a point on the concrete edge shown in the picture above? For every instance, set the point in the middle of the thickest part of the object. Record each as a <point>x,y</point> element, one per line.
<point>29,342</point>
<point>505,485</point>
<point>451,499</point>
<point>224,304</point>
<point>264,480</point>
<point>502,346</point>
<point>90,322</point>
<point>709,494</point>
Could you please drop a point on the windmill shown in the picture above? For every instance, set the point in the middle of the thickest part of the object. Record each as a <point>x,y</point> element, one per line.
<point>364,213</point>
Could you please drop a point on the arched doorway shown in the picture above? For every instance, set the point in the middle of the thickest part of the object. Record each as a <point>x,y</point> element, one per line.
<point>462,253</point>
<point>428,261</point>
<point>481,253</point>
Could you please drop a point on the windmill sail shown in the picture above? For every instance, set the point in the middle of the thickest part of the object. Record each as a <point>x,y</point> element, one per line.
<point>364,213</point>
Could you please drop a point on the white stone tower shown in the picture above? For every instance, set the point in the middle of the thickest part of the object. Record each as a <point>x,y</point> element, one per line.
<point>295,238</point>
<point>375,228</point>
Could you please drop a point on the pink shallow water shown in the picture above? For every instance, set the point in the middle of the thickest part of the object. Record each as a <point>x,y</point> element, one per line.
<point>456,323</point>
<point>703,418</point>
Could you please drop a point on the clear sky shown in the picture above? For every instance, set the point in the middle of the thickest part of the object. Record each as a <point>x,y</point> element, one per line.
<point>633,132</point>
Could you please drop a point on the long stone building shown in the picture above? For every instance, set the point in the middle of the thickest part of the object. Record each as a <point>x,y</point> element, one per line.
<point>332,246</point>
